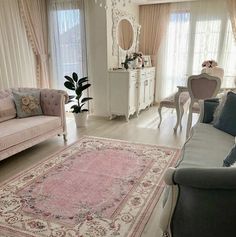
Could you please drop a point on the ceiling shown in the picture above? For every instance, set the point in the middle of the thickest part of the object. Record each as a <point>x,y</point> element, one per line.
<point>143,2</point>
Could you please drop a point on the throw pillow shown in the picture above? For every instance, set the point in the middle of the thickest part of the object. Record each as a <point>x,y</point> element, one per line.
<point>210,106</point>
<point>27,103</point>
<point>227,118</point>
<point>222,100</point>
<point>7,109</point>
<point>231,158</point>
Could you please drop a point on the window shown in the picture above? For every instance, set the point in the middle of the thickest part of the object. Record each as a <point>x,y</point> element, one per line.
<point>206,42</point>
<point>192,38</point>
<point>67,40</point>
<point>229,57</point>
<point>177,49</point>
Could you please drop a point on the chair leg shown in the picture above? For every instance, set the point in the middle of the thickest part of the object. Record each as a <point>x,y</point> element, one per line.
<point>181,116</point>
<point>189,124</point>
<point>160,116</point>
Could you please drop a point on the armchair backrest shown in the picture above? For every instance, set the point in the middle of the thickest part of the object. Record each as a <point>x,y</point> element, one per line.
<point>203,86</point>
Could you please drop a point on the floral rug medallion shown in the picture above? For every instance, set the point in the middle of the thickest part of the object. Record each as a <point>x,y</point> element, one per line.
<point>95,187</point>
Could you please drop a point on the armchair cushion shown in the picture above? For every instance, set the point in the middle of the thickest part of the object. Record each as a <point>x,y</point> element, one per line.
<point>227,118</point>
<point>27,103</point>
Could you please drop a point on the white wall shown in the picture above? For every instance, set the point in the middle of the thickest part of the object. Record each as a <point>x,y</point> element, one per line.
<point>97,57</point>
<point>99,47</point>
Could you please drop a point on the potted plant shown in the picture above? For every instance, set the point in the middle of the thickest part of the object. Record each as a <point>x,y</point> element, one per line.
<point>78,85</point>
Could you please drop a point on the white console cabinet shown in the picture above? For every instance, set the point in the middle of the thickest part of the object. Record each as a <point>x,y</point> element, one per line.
<point>131,91</point>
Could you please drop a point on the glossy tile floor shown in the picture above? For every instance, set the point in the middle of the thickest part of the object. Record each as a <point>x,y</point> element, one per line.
<point>142,130</point>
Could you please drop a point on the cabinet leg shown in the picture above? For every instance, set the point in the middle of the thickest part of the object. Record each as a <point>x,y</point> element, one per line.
<point>160,116</point>
<point>65,137</point>
<point>127,118</point>
<point>112,117</point>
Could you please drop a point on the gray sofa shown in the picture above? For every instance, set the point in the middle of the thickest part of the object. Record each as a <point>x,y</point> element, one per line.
<point>200,197</point>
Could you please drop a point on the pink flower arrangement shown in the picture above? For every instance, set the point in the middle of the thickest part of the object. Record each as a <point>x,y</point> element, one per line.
<point>209,64</point>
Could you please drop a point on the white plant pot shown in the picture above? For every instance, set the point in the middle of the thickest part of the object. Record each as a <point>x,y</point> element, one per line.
<point>81,119</point>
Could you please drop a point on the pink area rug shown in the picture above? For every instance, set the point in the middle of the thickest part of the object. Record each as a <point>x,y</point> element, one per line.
<point>95,187</point>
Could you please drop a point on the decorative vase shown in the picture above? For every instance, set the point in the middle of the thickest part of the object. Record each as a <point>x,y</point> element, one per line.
<point>132,64</point>
<point>81,119</point>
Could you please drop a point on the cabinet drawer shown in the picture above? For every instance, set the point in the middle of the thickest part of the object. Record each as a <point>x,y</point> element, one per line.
<point>143,73</point>
<point>133,74</point>
<point>151,73</point>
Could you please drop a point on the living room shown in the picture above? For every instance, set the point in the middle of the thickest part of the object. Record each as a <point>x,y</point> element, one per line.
<point>117,118</point>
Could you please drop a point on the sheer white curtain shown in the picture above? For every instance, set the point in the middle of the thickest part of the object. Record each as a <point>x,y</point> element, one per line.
<point>197,31</point>
<point>17,62</point>
<point>67,37</point>
<point>173,54</point>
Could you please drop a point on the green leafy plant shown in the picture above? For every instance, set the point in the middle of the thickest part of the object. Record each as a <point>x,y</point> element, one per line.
<point>78,85</point>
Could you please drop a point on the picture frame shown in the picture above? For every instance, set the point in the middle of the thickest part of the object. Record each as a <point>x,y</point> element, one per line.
<point>147,61</point>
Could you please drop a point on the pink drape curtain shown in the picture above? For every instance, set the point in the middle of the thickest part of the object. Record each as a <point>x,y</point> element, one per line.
<point>232,13</point>
<point>34,14</point>
<point>154,21</point>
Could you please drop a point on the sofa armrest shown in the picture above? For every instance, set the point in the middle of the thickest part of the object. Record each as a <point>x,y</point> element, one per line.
<point>207,109</point>
<point>53,103</point>
<point>206,178</point>
<point>206,202</point>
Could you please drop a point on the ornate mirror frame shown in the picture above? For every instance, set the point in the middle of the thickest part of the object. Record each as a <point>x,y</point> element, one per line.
<point>117,16</point>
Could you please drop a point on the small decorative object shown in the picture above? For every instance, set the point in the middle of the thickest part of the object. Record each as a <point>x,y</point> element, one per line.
<point>147,61</point>
<point>135,59</point>
<point>209,64</point>
<point>75,84</point>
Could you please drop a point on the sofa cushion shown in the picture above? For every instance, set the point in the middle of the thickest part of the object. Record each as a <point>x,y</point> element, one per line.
<point>27,103</point>
<point>7,109</point>
<point>207,147</point>
<point>15,131</point>
<point>227,118</point>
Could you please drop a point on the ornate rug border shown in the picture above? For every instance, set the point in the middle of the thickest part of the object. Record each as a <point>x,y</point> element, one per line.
<point>139,226</point>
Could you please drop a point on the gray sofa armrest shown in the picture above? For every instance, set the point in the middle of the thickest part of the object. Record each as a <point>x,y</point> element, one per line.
<point>206,203</point>
<point>206,178</point>
<point>207,109</point>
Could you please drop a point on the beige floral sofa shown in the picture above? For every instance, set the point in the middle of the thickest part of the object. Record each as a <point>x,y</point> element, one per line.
<point>17,134</point>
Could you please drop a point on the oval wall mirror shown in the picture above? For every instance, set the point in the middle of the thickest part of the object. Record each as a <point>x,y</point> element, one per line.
<point>125,34</point>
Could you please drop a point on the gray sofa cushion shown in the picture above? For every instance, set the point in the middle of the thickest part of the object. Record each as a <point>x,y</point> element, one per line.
<point>207,147</point>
